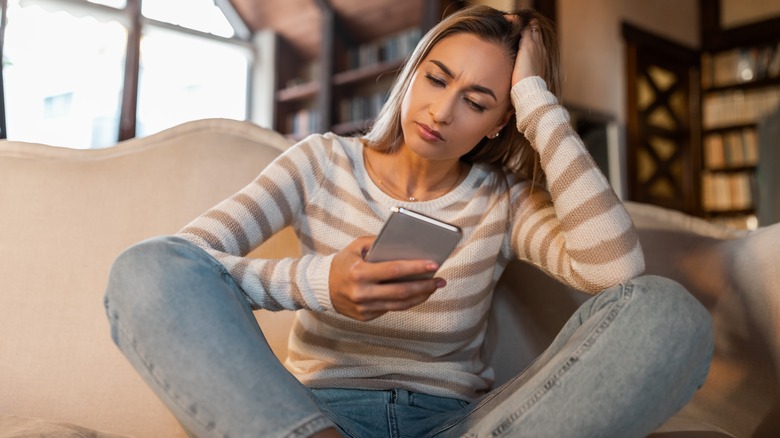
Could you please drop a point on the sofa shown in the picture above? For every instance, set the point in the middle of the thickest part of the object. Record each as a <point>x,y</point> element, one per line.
<point>66,214</point>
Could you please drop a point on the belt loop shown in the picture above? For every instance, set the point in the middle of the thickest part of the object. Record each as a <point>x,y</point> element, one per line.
<point>400,397</point>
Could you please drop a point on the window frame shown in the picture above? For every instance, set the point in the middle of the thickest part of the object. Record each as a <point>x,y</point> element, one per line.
<point>3,20</point>
<point>135,23</point>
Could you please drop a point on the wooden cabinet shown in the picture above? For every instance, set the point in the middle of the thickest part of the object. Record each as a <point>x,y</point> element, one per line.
<point>662,152</point>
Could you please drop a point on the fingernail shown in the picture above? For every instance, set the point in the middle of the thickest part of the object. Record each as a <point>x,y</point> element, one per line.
<point>432,266</point>
<point>441,282</point>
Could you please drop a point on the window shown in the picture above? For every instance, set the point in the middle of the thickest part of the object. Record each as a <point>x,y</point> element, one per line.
<point>64,68</point>
<point>185,78</point>
<point>57,106</point>
<point>63,77</point>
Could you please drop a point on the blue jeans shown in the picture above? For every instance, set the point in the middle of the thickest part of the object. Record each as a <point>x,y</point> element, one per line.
<point>627,360</point>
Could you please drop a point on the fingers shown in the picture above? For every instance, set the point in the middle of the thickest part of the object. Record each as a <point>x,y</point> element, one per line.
<point>361,245</point>
<point>532,33</point>
<point>376,300</point>
<point>381,272</point>
<point>531,28</point>
<point>365,291</point>
<point>531,55</point>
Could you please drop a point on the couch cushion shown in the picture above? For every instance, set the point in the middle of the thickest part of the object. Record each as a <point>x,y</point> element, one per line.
<point>64,217</point>
<point>12,426</point>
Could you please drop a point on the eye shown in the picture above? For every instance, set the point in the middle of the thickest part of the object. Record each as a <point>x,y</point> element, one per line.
<point>474,105</point>
<point>435,81</point>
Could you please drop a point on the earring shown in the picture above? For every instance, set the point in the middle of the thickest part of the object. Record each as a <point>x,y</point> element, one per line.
<point>494,136</point>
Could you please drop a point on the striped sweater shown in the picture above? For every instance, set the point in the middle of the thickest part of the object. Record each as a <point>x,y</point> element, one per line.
<point>576,230</point>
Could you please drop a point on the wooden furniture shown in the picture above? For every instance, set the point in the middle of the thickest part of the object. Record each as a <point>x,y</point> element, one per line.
<point>662,154</point>
<point>342,86</point>
<point>740,78</point>
<point>693,117</point>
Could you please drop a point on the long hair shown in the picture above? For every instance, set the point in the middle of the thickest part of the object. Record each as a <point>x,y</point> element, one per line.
<point>510,149</point>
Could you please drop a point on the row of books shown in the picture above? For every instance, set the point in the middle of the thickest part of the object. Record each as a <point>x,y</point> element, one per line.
<point>302,123</point>
<point>309,72</point>
<point>731,149</point>
<point>362,107</point>
<point>739,106</point>
<point>740,65</point>
<point>388,49</point>
<point>727,191</point>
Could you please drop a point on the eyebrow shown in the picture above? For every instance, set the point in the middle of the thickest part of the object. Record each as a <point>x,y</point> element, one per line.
<point>475,87</point>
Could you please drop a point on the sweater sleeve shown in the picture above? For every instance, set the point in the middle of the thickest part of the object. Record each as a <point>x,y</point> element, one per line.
<point>576,228</point>
<point>234,227</point>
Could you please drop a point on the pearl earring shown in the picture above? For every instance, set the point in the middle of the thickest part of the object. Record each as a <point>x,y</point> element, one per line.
<point>494,136</point>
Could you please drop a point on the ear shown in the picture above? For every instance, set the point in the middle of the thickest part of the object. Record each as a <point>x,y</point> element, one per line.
<point>503,121</point>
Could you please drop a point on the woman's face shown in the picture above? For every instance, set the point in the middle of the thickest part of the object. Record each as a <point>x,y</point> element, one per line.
<point>458,95</point>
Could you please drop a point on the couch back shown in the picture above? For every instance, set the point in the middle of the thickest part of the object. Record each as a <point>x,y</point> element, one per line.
<point>64,217</point>
<point>66,214</point>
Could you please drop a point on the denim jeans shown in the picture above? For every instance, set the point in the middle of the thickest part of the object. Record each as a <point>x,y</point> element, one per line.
<point>626,360</point>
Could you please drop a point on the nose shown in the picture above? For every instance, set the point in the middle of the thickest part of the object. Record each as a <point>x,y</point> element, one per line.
<point>442,108</point>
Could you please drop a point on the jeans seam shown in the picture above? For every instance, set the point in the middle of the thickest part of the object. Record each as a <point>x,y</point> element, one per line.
<point>392,421</point>
<point>316,424</point>
<point>161,383</point>
<point>210,258</point>
<point>625,295</point>
<point>573,359</point>
<point>223,271</point>
<point>334,419</point>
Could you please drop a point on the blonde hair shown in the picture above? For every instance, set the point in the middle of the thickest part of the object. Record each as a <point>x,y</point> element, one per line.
<point>510,148</point>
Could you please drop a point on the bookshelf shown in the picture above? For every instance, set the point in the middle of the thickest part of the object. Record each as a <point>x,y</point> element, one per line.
<point>695,119</point>
<point>298,85</point>
<point>342,88</point>
<point>740,88</point>
<point>365,74</point>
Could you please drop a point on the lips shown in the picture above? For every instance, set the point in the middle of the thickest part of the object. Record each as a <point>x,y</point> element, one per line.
<point>428,134</point>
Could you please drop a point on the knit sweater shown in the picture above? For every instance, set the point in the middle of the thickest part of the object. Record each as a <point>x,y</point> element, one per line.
<point>575,229</point>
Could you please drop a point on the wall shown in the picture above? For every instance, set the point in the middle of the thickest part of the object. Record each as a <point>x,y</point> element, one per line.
<point>592,49</point>
<point>740,12</point>
<point>593,53</point>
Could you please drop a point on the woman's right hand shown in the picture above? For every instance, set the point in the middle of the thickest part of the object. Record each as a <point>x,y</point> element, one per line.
<point>358,289</point>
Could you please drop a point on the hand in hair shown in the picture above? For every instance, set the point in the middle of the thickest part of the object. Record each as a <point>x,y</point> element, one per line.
<point>531,54</point>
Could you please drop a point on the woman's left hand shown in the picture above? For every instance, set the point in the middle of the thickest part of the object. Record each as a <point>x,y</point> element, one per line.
<point>531,55</point>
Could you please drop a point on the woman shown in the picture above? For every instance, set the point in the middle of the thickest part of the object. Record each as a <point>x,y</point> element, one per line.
<point>470,135</point>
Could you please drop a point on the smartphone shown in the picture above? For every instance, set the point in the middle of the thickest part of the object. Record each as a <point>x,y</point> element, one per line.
<point>408,235</point>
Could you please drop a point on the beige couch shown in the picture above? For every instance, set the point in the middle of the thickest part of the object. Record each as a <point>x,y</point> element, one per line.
<point>66,214</point>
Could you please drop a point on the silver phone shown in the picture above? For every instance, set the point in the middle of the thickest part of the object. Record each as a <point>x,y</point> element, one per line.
<point>408,235</point>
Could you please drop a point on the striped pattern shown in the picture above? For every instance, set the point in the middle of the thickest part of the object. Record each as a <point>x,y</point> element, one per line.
<point>577,231</point>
